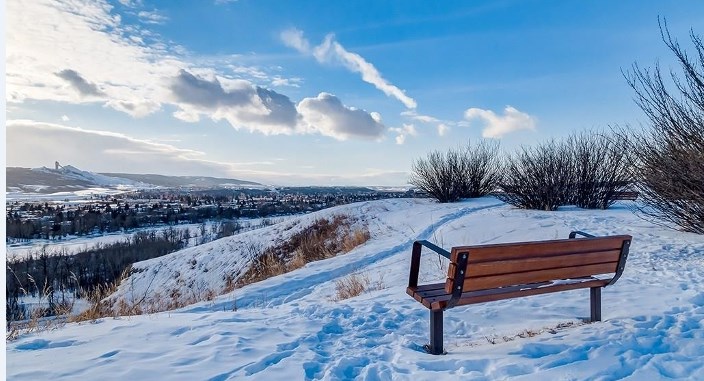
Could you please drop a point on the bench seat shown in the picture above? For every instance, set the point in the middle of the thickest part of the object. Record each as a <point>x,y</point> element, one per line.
<point>433,296</point>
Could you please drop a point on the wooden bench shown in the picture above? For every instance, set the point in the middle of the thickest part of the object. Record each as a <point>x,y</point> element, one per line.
<point>486,273</point>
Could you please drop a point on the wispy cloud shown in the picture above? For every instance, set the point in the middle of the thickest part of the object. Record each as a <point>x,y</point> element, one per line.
<point>403,132</point>
<point>413,114</point>
<point>442,126</point>
<point>152,17</point>
<point>330,51</point>
<point>278,81</point>
<point>293,38</point>
<point>496,126</point>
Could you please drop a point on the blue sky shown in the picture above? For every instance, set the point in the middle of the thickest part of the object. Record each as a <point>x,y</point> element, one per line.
<point>315,92</point>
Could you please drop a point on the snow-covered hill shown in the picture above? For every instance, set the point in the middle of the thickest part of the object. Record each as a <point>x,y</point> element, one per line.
<point>94,179</point>
<point>290,327</point>
<point>67,179</point>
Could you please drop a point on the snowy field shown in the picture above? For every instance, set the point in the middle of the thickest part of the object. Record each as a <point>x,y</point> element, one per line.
<point>290,328</point>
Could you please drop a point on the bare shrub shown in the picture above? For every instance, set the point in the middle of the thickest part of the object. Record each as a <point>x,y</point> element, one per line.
<point>434,175</point>
<point>669,156</point>
<point>538,177</point>
<point>466,172</point>
<point>601,165</point>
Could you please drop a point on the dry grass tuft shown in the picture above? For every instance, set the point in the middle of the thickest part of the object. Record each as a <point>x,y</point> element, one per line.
<point>355,284</point>
<point>354,238</point>
<point>525,334</point>
<point>324,239</point>
<point>351,286</point>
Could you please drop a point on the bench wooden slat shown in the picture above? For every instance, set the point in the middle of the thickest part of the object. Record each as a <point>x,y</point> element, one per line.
<point>494,281</point>
<point>495,252</point>
<point>481,296</point>
<point>531,264</point>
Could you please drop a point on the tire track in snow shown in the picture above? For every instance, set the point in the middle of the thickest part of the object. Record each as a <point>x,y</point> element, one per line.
<point>283,291</point>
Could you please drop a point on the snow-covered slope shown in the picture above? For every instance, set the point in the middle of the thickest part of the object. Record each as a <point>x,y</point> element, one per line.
<point>62,180</point>
<point>289,327</point>
<point>95,179</point>
<point>67,179</point>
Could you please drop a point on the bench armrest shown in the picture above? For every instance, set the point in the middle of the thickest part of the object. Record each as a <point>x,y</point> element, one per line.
<point>574,234</point>
<point>415,259</point>
<point>434,248</point>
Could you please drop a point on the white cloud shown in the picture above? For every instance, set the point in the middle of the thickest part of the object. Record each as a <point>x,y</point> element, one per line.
<point>65,118</point>
<point>130,3</point>
<point>496,126</point>
<point>412,114</point>
<point>293,38</point>
<point>331,51</point>
<point>327,115</point>
<point>241,104</point>
<point>152,17</point>
<point>278,81</point>
<point>443,129</point>
<point>403,132</point>
<point>136,108</point>
<point>442,126</point>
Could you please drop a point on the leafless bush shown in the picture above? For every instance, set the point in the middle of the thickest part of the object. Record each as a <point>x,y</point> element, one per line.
<point>466,172</point>
<point>538,177</point>
<point>601,165</point>
<point>669,156</point>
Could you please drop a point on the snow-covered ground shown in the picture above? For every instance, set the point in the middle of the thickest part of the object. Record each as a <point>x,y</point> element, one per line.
<point>289,327</point>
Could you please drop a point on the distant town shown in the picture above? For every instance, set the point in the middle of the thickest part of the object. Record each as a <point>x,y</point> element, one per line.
<point>157,207</point>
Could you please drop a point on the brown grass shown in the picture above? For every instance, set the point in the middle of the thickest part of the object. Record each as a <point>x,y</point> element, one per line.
<point>322,240</point>
<point>355,284</point>
<point>351,286</point>
<point>354,238</point>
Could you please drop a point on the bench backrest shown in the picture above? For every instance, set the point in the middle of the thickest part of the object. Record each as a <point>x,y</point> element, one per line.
<point>501,265</point>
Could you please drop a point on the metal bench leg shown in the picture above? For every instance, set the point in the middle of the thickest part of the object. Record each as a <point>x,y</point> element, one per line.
<point>595,299</point>
<point>435,347</point>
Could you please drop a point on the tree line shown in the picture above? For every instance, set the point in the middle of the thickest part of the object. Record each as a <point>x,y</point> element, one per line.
<point>57,275</point>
